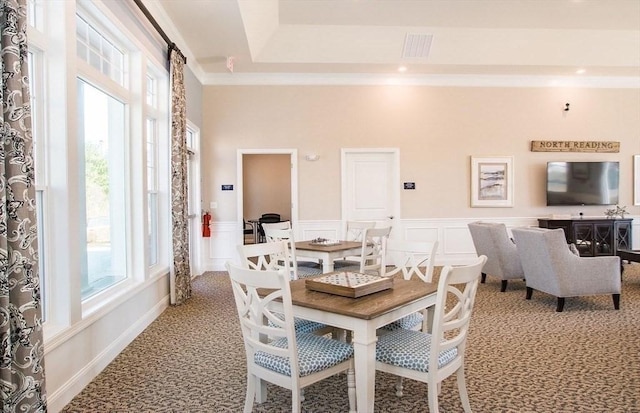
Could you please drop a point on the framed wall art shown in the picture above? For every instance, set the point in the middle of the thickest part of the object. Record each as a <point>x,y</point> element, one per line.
<point>492,182</point>
<point>636,179</point>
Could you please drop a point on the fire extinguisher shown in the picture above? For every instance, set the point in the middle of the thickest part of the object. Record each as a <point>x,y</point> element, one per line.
<point>206,221</point>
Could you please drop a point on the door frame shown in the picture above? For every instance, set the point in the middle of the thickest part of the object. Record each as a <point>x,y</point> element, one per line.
<point>195,236</point>
<point>395,152</point>
<point>293,155</point>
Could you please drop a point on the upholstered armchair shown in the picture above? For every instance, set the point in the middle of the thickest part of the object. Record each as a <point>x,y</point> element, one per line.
<point>503,261</point>
<point>550,267</point>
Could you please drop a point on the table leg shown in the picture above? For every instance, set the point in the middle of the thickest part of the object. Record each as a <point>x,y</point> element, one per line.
<point>364,346</point>
<point>327,265</point>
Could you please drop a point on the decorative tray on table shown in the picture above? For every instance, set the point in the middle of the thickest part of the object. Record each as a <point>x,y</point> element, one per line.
<point>349,284</point>
<point>324,241</point>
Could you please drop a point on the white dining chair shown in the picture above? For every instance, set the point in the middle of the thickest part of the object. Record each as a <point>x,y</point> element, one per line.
<point>411,258</point>
<point>289,359</point>
<point>372,258</point>
<point>274,256</point>
<point>432,357</point>
<point>277,225</point>
<point>300,269</point>
<point>354,231</point>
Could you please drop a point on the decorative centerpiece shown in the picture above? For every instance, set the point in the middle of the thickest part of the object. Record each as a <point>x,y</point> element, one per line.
<point>324,241</point>
<point>617,211</point>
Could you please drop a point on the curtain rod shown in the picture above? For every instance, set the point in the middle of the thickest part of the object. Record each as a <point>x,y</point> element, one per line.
<point>154,23</point>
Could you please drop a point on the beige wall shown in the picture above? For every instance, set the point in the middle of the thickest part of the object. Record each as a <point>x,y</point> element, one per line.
<point>437,130</point>
<point>266,185</point>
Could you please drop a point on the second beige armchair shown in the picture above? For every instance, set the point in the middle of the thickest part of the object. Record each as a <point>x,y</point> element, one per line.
<point>550,267</point>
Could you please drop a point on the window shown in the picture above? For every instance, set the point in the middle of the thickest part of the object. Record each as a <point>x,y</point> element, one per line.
<point>99,52</point>
<point>100,127</point>
<point>152,191</point>
<point>35,86</point>
<point>157,146</point>
<point>101,130</point>
<point>35,14</point>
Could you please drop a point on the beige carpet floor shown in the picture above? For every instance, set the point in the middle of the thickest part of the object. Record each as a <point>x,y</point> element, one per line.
<point>522,357</point>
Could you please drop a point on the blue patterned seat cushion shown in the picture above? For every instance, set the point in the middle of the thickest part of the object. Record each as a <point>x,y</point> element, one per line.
<point>306,326</point>
<point>409,322</point>
<point>315,353</point>
<point>410,349</point>
<point>305,271</point>
<point>303,326</point>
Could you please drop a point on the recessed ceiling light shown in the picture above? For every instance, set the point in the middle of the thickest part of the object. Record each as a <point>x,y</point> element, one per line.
<point>581,71</point>
<point>402,69</point>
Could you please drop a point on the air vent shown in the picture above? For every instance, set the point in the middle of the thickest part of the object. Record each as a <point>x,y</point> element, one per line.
<point>416,46</point>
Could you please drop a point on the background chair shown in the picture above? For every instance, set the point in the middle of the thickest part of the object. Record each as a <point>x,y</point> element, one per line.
<point>300,269</point>
<point>372,259</point>
<point>267,218</point>
<point>355,229</point>
<point>503,261</point>
<point>289,359</point>
<point>277,225</point>
<point>550,267</point>
<point>354,232</point>
<point>411,258</point>
<point>431,358</point>
<point>247,229</point>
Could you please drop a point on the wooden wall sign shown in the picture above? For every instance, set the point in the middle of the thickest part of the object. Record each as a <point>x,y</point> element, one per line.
<point>575,146</point>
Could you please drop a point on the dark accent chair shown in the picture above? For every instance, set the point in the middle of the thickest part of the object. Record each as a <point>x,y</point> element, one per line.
<point>247,229</point>
<point>268,218</point>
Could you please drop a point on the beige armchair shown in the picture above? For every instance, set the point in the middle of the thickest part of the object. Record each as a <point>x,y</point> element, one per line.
<point>503,261</point>
<point>550,267</point>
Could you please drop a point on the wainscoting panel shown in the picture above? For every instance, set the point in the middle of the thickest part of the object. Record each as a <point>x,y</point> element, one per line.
<point>318,229</point>
<point>455,244</point>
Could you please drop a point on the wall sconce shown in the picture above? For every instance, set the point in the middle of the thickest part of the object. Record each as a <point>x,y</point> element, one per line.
<point>312,157</point>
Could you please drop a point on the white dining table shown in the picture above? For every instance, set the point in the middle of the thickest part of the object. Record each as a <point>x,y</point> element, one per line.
<point>363,316</point>
<point>328,253</point>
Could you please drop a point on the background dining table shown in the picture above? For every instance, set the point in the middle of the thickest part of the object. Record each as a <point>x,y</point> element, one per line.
<point>328,253</point>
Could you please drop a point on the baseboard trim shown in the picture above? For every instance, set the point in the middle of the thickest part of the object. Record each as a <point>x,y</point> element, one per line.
<point>57,400</point>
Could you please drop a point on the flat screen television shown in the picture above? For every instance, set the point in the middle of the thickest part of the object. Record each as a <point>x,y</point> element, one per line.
<point>582,183</point>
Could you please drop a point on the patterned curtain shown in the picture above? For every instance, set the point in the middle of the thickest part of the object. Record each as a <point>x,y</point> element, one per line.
<point>181,286</point>
<point>22,383</point>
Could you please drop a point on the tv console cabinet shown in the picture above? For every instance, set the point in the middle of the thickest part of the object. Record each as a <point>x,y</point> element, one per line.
<point>594,236</point>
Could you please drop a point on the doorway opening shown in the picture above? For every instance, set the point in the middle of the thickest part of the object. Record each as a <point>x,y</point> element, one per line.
<point>267,183</point>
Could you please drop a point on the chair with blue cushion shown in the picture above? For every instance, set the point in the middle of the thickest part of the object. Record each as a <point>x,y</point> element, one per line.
<point>373,253</point>
<point>354,232</point>
<point>274,256</point>
<point>411,258</point>
<point>275,352</point>
<point>301,269</point>
<point>432,357</point>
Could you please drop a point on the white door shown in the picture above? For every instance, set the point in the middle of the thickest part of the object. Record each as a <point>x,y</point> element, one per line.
<point>370,185</point>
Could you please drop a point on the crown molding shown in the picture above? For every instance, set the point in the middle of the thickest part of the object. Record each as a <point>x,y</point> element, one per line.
<point>357,79</point>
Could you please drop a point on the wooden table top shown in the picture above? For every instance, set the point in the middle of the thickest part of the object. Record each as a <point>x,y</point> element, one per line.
<point>343,245</point>
<point>365,307</point>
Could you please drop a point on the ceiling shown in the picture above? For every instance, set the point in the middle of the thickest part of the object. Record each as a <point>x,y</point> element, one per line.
<point>360,39</point>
